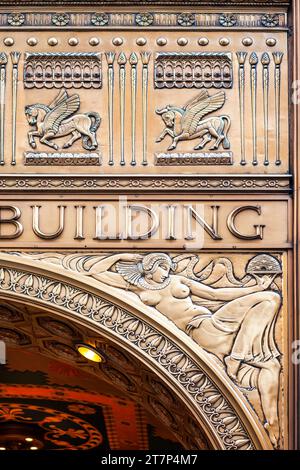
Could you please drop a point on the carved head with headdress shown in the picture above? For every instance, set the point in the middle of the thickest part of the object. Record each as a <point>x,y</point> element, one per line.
<point>150,273</point>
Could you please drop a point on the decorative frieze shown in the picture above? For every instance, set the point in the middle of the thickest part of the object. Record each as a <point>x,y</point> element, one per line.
<point>61,159</point>
<point>193,70</point>
<point>199,158</point>
<point>142,19</point>
<point>62,69</point>
<point>165,183</point>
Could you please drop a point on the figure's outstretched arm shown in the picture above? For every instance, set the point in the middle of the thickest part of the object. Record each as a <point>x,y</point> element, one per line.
<point>101,270</point>
<point>107,263</point>
<point>226,293</point>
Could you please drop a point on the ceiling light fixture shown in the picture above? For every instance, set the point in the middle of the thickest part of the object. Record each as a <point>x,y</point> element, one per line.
<point>90,353</point>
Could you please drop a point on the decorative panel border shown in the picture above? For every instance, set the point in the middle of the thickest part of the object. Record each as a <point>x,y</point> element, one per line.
<point>165,183</point>
<point>143,19</point>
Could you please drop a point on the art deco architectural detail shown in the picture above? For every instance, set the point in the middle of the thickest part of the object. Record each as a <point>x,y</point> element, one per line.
<point>205,183</point>
<point>99,19</point>
<point>59,119</point>
<point>62,70</point>
<point>186,19</point>
<point>137,19</point>
<point>228,20</point>
<point>15,57</point>
<point>144,19</point>
<point>60,19</point>
<point>16,19</point>
<point>61,159</point>
<point>219,415</point>
<point>187,123</point>
<point>270,20</point>
<point>3,64</point>
<point>200,158</point>
<point>193,70</point>
<point>234,321</point>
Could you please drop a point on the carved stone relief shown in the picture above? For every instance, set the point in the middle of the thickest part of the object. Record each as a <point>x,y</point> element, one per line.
<point>210,401</point>
<point>141,19</point>
<point>61,119</point>
<point>62,70</point>
<point>193,70</point>
<point>136,84</point>
<point>187,123</point>
<point>232,317</point>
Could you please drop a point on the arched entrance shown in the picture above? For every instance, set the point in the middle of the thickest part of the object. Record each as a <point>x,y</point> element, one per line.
<point>217,407</point>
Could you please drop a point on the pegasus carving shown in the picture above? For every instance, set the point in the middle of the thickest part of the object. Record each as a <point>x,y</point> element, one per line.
<point>60,119</point>
<point>187,123</point>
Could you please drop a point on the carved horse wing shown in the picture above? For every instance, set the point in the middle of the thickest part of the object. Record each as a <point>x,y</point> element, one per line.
<point>63,107</point>
<point>198,107</point>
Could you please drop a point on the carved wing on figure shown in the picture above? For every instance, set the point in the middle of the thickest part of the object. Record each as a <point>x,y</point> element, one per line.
<point>198,107</point>
<point>62,107</point>
<point>129,271</point>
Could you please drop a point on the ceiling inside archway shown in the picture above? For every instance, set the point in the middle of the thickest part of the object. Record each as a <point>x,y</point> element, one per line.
<point>48,391</point>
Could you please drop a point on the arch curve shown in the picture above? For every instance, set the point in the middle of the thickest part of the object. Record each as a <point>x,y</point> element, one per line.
<point>217,406</point>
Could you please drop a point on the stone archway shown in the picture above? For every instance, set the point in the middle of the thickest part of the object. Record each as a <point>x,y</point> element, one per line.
<point>218,408</point>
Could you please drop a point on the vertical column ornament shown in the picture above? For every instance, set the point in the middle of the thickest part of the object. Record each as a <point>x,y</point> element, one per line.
<point>145,56</point>
<point>110,58</point>
<point>241,56</point>
<point>265,60</point>
<point>253,60</point>
<point>122,83</point>
<point>277,56</point>
<point>15,57</point>
<point>3,64</point>
<point>133,62</point>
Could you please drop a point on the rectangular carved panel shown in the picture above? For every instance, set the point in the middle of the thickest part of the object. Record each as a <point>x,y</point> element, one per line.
<point>62,69</point>
<point>193,70</point>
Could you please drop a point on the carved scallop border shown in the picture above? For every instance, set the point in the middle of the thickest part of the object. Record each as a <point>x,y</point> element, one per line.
<point>209,400</point>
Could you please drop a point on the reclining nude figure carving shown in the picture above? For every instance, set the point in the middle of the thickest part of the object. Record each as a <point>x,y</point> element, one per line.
<point>238,328</point>
<point>230,317</point>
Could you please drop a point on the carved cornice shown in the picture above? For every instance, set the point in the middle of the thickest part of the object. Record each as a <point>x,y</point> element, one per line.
<point>164,183</point>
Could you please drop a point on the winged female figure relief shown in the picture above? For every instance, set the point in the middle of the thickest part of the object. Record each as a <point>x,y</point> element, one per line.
<point>232,318</point>
<point>187,123</point>
<point>60,119</point>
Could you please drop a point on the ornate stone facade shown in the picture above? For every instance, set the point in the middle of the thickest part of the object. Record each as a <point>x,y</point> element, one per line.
<point>146,185</point>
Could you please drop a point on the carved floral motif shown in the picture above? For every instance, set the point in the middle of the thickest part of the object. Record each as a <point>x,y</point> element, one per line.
<point>186,19</point>
<point>16,19</point>
<point>270,20</point>
<point>228,20</point>
<point>99,19</point>
<point>60,19</point>
<point>144,19</point>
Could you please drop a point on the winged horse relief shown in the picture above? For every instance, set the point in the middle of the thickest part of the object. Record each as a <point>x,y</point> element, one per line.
<point>187,123</point>
<point>59,120</point>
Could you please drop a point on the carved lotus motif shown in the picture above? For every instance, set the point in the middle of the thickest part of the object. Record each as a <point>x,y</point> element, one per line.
<point>228,20</point>
<point>144,19</point>
<point>60,19</point>
<point>16,19</point>
<point>186,19</point>
<point>99,19</point>
<point>270,20</point>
